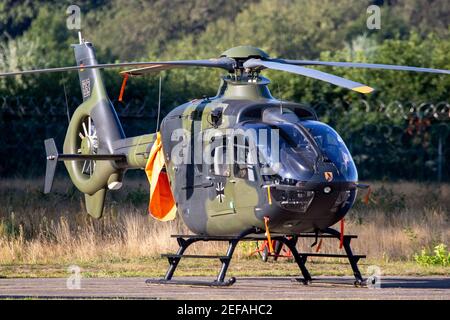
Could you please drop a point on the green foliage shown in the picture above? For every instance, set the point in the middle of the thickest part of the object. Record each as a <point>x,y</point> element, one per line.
<point>385,199</point>
<point>413,32</point>
<point>138,196</point>
<point>248,247</point>
<point>15,16</point>
<point>440,256</point>
<point>9,227</point>
<point>150,25</point>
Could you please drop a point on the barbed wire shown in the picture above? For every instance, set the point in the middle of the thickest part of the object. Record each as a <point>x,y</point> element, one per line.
<point>29,106</point>
<point>439,111</point>
<point>403,142</point>
<point>26,107</point>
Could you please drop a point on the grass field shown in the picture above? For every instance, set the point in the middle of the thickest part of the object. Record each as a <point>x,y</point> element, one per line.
<point>41,235</point>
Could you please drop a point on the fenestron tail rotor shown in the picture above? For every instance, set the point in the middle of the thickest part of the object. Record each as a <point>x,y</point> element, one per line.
<point>88,145</point>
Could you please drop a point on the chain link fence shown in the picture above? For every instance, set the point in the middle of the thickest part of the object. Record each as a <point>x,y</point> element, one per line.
<point>407,141</point>
<point>394,140</point>
<point>25,122</point>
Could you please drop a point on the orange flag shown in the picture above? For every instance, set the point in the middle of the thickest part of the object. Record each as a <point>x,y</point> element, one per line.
<point>162,204</point>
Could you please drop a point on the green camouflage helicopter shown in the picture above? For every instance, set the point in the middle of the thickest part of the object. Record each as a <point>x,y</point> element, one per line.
<point>270,164</point>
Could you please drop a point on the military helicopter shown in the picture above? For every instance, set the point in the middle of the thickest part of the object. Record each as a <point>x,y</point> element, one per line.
<point>274,169</point>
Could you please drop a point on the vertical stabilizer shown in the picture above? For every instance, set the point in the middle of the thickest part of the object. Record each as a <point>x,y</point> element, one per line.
<point>93,129</point>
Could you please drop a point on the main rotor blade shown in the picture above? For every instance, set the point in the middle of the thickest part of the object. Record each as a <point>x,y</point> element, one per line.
<point>362,65</point>
<point>311,73</point>
<point>224,63</point>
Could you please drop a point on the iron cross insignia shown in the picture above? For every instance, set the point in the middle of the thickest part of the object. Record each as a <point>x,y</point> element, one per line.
<point>220,191</point>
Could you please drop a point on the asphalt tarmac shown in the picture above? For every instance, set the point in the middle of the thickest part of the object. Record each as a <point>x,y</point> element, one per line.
<point>390,288</point>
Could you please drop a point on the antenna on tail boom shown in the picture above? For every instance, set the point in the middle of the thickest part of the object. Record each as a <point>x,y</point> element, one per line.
<point>80,37</point>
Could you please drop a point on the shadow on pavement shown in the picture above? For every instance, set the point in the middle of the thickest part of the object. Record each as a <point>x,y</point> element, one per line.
<point>407,283</point>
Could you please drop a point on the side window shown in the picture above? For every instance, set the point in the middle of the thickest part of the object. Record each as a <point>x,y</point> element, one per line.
<point>220,166</point>
<point>242,165</point>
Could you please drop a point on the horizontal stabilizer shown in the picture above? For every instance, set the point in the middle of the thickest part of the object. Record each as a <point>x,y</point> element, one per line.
<point>52,158</point>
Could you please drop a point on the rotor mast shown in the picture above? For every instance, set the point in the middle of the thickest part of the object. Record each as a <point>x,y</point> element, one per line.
<point>241,54</point>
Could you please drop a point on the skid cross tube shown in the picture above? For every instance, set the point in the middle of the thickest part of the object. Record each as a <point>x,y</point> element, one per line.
<point>184,241</point>
<point>300,260</point>
<point>173,261</point>
<point>352,259</point>
<point>329,233</point>
<point>255,234</point>
<point>226,262</point>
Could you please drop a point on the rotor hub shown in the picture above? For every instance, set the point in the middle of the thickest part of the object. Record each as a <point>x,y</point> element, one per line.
<point>86,146</point>
<point>245,52</point>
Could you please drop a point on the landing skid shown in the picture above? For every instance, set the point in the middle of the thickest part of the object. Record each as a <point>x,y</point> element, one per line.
<point>215,283</point>
<point>184,241</point>
<point>254,234</point>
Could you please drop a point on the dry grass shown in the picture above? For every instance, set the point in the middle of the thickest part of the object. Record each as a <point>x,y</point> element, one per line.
<point>40,229</point>
<point>37,229</point>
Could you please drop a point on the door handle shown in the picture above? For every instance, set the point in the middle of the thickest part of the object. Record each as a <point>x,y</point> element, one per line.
<point>201,185</point>
<point>207,184</point>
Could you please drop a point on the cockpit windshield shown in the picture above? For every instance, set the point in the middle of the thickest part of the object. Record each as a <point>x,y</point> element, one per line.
<point>333,148</point>
<point>289,153</point>
<point>283,151</point>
